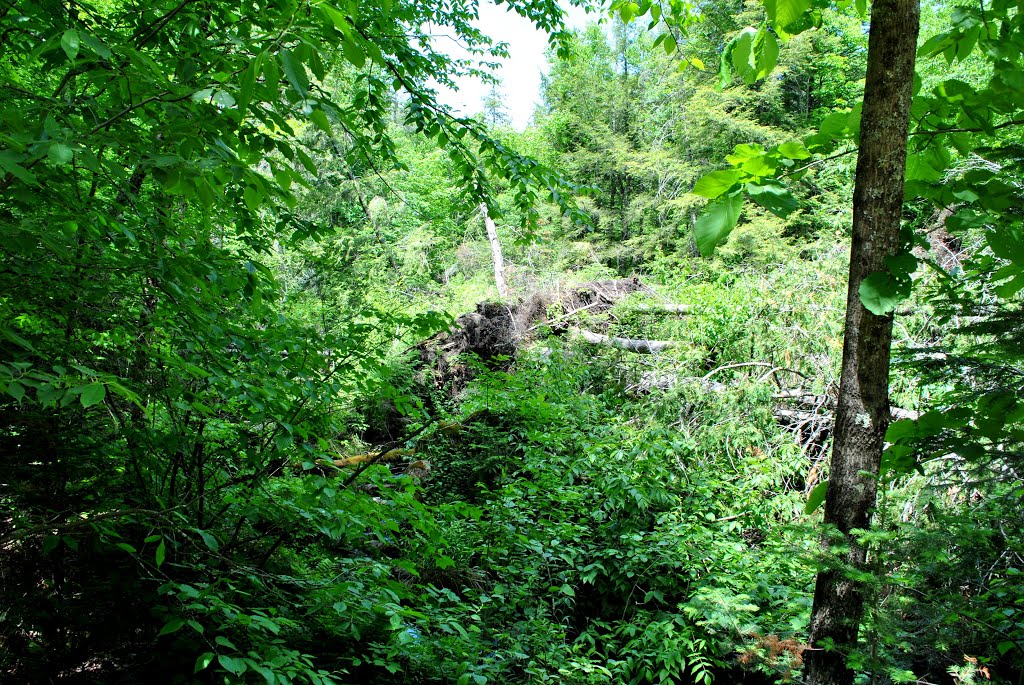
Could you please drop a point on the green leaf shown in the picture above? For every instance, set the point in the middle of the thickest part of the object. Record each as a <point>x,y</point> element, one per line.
<point>816,497</point>
<point>247,83</point>
<point>836,125</point>
<point>745,152</point>
<point>766,53</point>
<point>902,264</point>
<point>97,46</point>
<point>1004,647</point>
<point>294,72</point>
<point>353,53</point>
<point>204,660</point>
<point>70,42</point>
<point>881,292</point>
<point>774,197</point>
<point>223,99</point>
<point>1007,242</point>
<point>235,666</point>
<point>59,153</point>
<point>209,539</point>
<point>15,390</point>
<point>794,150</point>
<point>161,554</point>
<point>172,626</point>
<point>9,163</point>
<point>224,642</point>
<point>628,11</point>
<point>784,13</point>
<point>716,183</point>
<point>1008,290</point>
<point>743,55</point>
<point>93,394</point>
<point>717,221</point>
<point>319,117</point>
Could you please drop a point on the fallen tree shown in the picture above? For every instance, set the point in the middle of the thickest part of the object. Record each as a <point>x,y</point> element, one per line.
<point>495,331</point>
<point>637,345</point>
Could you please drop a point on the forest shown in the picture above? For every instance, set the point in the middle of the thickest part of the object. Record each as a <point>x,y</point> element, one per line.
<point>712,373</point>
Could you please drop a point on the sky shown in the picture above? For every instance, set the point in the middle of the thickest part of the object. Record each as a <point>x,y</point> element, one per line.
<point>520,73</point>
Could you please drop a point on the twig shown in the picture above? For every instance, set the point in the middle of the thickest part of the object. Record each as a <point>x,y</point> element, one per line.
<point>49,528</point>
<point>763,364</point>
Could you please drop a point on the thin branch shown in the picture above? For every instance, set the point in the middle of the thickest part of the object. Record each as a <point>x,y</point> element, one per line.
<point>821,161</point>
<point>742,364</point>
<point>56,528</point>
<point>941,131</point>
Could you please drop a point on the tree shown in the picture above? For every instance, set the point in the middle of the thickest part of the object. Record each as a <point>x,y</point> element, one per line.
<point>495,110</point>
<point>150,380</point>
<point>496,257</point>
<point>880,263</point>
<point>862,416</point>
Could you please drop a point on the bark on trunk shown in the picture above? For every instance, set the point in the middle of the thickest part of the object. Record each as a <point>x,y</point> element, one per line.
<point>496,256</point>
<point>863,408</point>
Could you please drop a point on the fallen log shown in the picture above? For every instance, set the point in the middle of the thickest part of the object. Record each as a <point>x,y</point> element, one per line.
<point>373,457</point>
<point>638,345</point>
<point>665,308</point>
<point>495,331</point>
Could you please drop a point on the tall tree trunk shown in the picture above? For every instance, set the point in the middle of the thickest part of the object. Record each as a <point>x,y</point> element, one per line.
<point>863,410</point>
<point>496,257</point>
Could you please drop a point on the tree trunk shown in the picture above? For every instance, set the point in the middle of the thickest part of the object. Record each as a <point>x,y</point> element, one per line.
<point>863,409</point>
<point>496,257</point>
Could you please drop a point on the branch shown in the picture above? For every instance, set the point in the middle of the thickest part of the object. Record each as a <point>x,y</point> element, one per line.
<point>742,364</point>
<point>941,131</point>
<point>821,161</point>
<point>56,528</point>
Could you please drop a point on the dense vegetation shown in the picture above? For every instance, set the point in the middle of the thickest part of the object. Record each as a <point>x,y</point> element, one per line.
<point>239,443</point>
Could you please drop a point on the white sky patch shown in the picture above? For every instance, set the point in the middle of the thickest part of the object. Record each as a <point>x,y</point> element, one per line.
<point>520,73</point>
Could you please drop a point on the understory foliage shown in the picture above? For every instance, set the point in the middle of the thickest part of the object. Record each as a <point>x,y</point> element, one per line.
<point>227,229</point>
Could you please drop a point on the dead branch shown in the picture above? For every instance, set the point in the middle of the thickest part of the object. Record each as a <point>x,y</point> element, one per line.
<point>762,364</point>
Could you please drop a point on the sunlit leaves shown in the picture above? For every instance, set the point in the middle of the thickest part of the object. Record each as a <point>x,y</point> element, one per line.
<point>717,221</point>
<point>70,43</point>
<point>716,183</point>
<point>59,153</point>
<point>1007,242</point>
<point>784,13</point>
<point>774,197</point>
<point>295,72</point>
<point>816,497</point>
<point>794,150</point>
<point>752,55</point>
<point>881,292</point>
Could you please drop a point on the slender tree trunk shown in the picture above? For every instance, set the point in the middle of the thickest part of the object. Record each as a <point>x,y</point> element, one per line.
<point>863,410</point>
<point>496,257</point>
